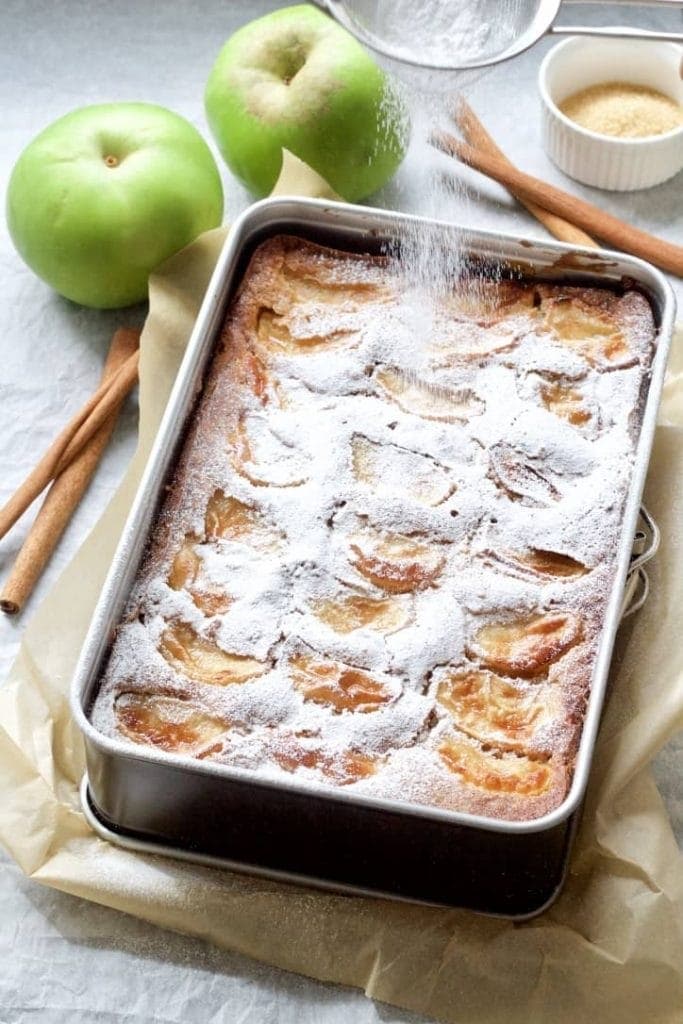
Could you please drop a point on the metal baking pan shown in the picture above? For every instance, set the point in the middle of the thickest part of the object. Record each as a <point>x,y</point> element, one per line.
<point>175,805</point>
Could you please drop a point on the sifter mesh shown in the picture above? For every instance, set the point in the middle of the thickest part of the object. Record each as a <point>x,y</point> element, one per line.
<point>460,35</point>
<point>446,33</point>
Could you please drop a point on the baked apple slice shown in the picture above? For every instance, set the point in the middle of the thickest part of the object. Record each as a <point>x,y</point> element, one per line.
<point>399,472</point>
<point>265,459</point>
<point>595,337</point>
<point>511,471</point>
<point>537,564</point>
<point>204,660</point>
<point>338,686</point>
<point>568,403</point>
<point>358,611</point>
<point>168,723</point>
<point>526,647</point>
<point>490,708</point>
<point>186,565</point>
<point>184,573</point>
<point>487,302</point>
<point>300,334</point>
<point>342,768</point>
<point>227,518</point>
<point>495,772</point>
<point>460,338</point>
<point>329,289</point>
<point>431,401</point>
<point>257,378</point>
<point>395,563</point>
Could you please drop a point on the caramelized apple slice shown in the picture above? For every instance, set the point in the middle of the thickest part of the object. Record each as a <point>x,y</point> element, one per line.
<point>432,402</point>
<point>505,773</point>
<point>489,301</point>
<point>257,376</point>
<point>186,565</point>
<point>537,563</point>
<point>597,339</point>
<point>328,290</point>
<point>566,402</point>
<point>395,563</point>
<point>209,601</point>
<point>291,753</point>
<point>297,336</point>
<point>263,457</point>
<point>471,325</point>
<point>464,341</point>
<point>398,472</point>
<point>383,614</point>
<point>205,661</point>
<point>183,575</point>
<point>551,563</point>
<point>490,708</point>
<point>168,723</point>
<point>526,647</point>
<point>338,686</point>
<point>520,481</point>
<point>227,518</point>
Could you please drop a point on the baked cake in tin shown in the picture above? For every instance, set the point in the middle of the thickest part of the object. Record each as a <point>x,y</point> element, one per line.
<point>384,558</point>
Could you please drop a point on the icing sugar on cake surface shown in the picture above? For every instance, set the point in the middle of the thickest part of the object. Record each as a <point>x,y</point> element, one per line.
<point>384,565</point>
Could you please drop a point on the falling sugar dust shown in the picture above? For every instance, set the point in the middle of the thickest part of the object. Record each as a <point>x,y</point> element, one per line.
<point>431,262</point>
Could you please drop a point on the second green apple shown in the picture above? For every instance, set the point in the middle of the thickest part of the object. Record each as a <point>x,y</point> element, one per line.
<point>295,79</point>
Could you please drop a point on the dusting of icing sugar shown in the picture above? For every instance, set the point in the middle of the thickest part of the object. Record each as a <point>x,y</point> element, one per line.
<point>345,488</point>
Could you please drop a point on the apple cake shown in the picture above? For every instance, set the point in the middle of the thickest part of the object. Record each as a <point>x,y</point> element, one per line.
<point>383,560</point>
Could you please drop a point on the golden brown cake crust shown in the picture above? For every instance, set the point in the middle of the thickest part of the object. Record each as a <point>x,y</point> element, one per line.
<point>385,554</point>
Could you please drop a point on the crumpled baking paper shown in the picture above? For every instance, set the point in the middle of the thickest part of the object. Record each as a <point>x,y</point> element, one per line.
<point>610,949</point>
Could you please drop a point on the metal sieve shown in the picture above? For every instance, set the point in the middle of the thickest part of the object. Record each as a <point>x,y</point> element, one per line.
<point>460,35</point>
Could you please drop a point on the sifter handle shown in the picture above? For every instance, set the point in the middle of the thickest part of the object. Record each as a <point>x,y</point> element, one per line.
<point>615,31</point>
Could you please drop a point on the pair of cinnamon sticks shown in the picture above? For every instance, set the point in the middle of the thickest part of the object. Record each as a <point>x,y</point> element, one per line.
<point>68,465</point>
<point>566,216</point>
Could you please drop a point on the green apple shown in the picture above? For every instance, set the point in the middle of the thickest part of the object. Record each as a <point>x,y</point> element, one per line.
<point>296,80</point>
<point>105,194</point>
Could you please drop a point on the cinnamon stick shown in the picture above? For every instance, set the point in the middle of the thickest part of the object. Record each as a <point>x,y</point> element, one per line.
<point>616,232</point>
<point>70,441</point>
<point>120,384</point>
<point>67,490</point>
<point>476,134</point>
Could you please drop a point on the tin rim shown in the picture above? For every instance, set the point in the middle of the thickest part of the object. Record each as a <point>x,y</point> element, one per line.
<point>281,214</point>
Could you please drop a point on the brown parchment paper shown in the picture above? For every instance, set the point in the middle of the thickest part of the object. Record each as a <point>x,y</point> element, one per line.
<point>610,950</point>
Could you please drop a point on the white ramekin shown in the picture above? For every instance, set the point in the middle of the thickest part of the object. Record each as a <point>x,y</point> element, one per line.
<point>602,160</point>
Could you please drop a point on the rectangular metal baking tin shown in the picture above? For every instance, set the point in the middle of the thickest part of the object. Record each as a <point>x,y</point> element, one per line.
<point>289,830</point>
